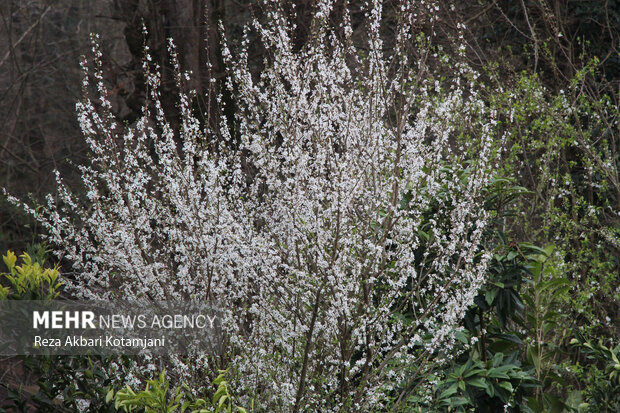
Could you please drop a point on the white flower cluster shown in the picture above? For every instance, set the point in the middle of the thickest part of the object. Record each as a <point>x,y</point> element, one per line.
<point>340,227</point>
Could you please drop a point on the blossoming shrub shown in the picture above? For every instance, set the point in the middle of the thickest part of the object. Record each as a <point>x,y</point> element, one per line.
<point>338,218</point>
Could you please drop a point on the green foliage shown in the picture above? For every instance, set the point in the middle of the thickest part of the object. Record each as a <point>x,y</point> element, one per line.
<point>515,331</point>
<point>29,281</point>
<point>68,383</point>
<point>157,397</point>
<point>518,330</point>
<point>607,355</point>
<point>489,371</point>
<point>563,151</point>
<point>543,324</point>
<point>499,376</point>
<point>222,399</point>
<point>600,374</point>
<point>487,385</point>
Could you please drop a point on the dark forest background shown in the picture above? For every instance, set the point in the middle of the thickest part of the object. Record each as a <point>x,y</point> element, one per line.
<point>41,43</point>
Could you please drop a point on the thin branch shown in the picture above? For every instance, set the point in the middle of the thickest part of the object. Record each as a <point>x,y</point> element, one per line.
<point>23,36</point>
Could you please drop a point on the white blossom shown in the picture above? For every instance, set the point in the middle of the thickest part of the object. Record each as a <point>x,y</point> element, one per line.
<point>310,232</point>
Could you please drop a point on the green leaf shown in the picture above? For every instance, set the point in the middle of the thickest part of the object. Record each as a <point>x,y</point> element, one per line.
<point>508,337</point>
<point>449,391</point>
<point>532,356</point>
<point>531,247</point>
<point>512,255</point>
<point>506,385</point>
<point>556,282</point>
<point>222,400</point>
<point>10,259</point>
<point>479,382</point>
<point>458,401</point>
<point>473,372</point>
<point>489,296</point>
<point>499,373</point>
<point>490,390</point>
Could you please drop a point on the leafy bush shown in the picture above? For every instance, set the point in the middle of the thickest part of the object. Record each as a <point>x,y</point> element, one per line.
<point>155,398</point>
<point>600,374</point>
<point>29,281</point>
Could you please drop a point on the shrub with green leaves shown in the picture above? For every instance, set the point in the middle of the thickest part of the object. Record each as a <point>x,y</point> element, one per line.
<point>600,372</point>
<point>29,281</point>
<point>157,397</point>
